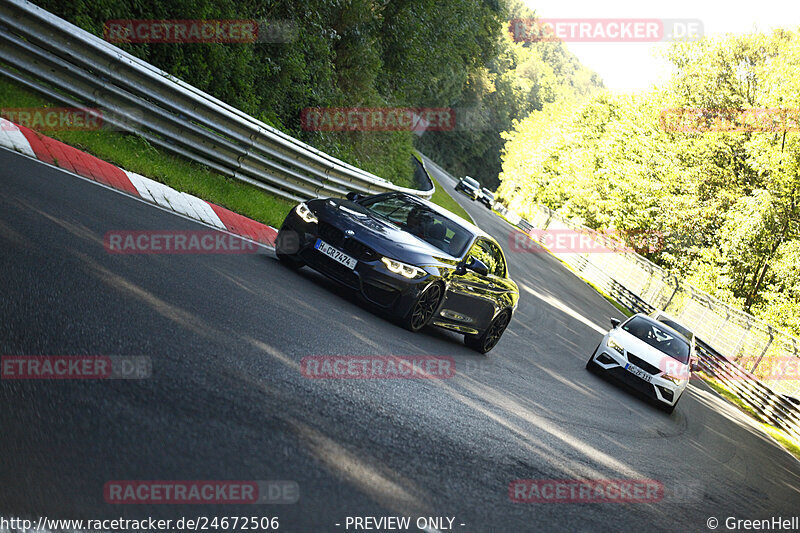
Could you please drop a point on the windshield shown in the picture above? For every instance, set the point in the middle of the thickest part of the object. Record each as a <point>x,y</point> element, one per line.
<point>488,194</point>
<point>422,222</point>
<point>680,328</point>
<point>660,338</point>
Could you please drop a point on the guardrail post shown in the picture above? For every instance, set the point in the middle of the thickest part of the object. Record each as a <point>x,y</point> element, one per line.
<point>742,338</point>
<point>674,292</point>
<point>764,351</point>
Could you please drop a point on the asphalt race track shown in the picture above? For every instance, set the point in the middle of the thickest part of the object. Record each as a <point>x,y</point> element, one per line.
<point>227,401</point>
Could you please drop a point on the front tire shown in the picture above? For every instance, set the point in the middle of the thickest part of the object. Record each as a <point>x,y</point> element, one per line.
<point>423,308</point>
<point>489,339</point>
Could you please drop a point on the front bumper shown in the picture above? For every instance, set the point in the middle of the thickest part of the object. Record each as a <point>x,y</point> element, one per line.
<point>370,278</point>
<point>658,388</point>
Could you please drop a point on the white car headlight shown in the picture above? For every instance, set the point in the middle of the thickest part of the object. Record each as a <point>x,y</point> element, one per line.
<point>614,345</point>
<point>305,213</point>
<point>405,270</point>
<point>676,378</point>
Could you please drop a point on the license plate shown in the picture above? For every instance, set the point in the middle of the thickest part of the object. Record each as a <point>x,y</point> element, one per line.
<point>336,255</point>
<point>638,372</point>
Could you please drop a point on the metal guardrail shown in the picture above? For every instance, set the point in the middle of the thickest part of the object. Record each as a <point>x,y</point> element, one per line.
<point>619,275</point>
<point>75,68</point>
<point>780,410</point>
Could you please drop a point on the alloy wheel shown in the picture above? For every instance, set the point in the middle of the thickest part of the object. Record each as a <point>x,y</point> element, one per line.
<point>425,306</point>
<point>496,330</point>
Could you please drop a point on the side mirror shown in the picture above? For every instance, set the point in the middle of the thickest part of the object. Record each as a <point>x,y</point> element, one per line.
<point>354,196</point>
<point>477,266</point>
<point>694,365</point>
<point>614,322</point>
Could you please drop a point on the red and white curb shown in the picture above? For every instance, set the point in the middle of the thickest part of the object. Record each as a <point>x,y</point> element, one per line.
<point>33,144</point>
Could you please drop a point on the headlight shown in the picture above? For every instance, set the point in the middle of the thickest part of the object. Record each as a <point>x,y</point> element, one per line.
<point>615,346</point>
<point>305,213</point>
<point>676,379</point>
<point>407,271</point>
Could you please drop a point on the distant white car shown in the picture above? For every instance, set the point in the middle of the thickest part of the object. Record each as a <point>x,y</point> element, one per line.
<point>487,197</point>
<point>470,187</point>
<point>649,355</point>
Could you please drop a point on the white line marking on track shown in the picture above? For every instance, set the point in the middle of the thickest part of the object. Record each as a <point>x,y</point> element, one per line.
<point>11,137</point>
<point>269,250</point>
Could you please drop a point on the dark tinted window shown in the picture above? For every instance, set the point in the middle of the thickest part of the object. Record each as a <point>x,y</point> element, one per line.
<point>658,337</point>
<point>421,221</point>
<point>677,327</point>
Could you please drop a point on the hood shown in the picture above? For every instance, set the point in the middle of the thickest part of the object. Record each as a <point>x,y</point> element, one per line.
<point>381,235</point>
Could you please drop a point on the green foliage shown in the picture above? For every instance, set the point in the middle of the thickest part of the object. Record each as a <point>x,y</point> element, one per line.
<point>137,155</point>
<point>345,53</point>
<point>367,53</point>
<point>519,79</point>
<point>727,202</point>
<point>442,198</point>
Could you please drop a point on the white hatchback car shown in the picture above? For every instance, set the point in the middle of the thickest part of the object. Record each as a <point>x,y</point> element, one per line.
<point>648,355</point>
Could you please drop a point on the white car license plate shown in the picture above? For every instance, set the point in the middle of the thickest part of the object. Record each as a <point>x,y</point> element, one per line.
<point>336,255</point>
<point>638,372</point>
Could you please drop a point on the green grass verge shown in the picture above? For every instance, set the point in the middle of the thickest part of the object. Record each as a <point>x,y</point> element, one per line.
<point>443,199</point>
<point>621,308</point>
<point>135,154</point>
<point>785,440</point>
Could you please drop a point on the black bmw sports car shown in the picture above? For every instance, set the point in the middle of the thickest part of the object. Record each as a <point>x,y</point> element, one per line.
<point>408,257</point>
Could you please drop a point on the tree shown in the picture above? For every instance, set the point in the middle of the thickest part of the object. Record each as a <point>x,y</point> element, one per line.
<point>726,200</point>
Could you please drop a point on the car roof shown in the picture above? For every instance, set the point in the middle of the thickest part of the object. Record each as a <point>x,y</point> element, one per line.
<point>660,324</point>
